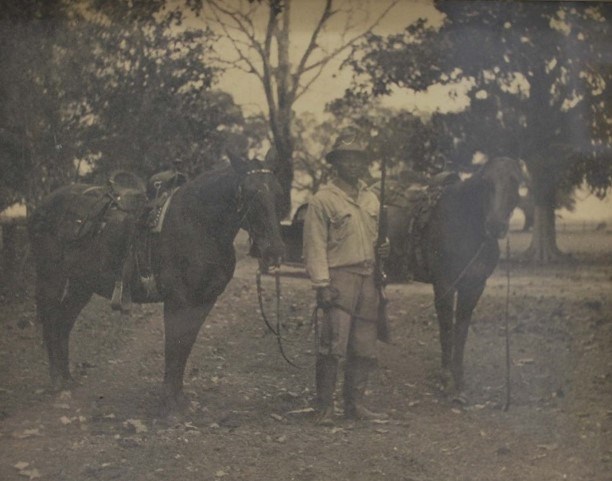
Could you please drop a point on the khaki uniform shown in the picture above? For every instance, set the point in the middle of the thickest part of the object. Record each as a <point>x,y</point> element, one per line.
<point>339,238</point>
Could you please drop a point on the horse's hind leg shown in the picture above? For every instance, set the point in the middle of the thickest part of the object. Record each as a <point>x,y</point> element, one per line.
<point>444,302</point>
<point>467,298</point>
<point>182,325</point>
<point>59,304</point>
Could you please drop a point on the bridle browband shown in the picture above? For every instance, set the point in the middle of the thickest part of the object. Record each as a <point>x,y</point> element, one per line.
<point>242,208</point>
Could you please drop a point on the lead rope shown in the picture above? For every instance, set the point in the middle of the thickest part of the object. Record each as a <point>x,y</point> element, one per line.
<point>277,331</point>
<point>506,328</point>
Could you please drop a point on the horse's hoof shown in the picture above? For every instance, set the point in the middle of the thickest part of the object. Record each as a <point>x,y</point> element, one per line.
<point>174,405</point>
<point>445,379</point>
<point>66,383</point>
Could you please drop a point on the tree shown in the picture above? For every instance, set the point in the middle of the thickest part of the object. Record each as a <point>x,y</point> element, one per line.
<point>150,90</point>
<point>539,90</point>
<point>261,36</point>
<point>31,88</point>
<point>116,84</point>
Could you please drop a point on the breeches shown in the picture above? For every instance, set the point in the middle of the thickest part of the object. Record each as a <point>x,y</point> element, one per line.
<point>350,328</point>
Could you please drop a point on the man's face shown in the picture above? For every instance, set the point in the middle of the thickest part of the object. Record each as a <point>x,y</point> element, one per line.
<point>351,168</point>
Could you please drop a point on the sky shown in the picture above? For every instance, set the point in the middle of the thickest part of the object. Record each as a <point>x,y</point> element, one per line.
<point>248,93</point>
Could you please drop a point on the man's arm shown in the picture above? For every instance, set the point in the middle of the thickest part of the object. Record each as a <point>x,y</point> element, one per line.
<point>315,244</point>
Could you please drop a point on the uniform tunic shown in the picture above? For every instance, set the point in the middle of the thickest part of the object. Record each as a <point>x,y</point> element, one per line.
<point>339,238</point>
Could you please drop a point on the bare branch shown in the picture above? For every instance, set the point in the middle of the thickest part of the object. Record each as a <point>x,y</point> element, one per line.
<point>325,60</point>
<point>304,88</point>
<point>312,44</point>
<point>235,42</point>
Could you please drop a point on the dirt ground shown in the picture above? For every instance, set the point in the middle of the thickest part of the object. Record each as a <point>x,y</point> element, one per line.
<point>249,416</point>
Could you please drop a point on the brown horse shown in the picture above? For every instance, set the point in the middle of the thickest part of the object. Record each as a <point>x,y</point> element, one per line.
<point>192,259</point>
<point>458,249</point>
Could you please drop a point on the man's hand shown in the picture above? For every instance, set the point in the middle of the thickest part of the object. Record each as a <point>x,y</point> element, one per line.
<point>326,296</point>
<point>384,249</point>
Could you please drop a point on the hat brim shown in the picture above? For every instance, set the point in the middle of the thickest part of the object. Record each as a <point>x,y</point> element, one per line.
<point>336,155</point>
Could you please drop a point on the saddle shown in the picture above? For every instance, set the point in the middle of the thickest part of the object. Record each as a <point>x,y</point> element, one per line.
<point>124,192</point>
<point>419,214</point>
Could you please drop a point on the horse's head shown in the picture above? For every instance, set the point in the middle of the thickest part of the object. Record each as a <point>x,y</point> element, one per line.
<point>258,197</point>
<point>502,177</point>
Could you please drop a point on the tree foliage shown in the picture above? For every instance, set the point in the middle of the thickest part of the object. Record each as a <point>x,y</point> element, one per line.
<point>540,80</point>
<point>115,84</point>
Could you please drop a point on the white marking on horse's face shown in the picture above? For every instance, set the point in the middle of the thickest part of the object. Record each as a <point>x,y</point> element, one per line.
<point>503,176</point>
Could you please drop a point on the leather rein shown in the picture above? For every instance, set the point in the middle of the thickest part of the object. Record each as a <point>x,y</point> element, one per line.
<point>243,210</point>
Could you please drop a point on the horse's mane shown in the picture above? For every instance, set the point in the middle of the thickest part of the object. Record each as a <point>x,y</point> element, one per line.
<point>214,185</point>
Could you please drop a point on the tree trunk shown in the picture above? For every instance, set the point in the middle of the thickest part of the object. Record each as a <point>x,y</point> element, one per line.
<point>543,248</point>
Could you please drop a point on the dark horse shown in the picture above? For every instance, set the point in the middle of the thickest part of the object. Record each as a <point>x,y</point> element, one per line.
<point>458,248</point>
<point>192,259</point>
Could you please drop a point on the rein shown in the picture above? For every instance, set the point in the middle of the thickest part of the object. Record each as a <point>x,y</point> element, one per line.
<point>452,287</point>
<point>243,211</point>
<point>276,331</point>
<point>506,328</point>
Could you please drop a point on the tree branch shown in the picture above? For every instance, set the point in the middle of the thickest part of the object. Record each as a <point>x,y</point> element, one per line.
<point>350,42</point>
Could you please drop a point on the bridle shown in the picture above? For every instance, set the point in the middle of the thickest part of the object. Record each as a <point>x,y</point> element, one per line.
<point>243,207</point>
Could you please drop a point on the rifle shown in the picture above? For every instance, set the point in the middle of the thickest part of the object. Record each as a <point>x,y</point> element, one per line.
<point>380,277</point>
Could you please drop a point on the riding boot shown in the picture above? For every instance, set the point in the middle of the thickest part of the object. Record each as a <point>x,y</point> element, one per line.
<point>355,380</point>
<point>326,372</point>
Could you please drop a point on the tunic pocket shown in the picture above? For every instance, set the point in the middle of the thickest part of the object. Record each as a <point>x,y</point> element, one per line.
<point>371,221</point>
<point>339,227</point>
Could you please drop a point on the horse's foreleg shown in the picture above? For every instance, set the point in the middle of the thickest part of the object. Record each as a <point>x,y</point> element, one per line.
<point>182,325</point>
<point>57,309</point>
<point>467,298</point>
<point>444,302</point>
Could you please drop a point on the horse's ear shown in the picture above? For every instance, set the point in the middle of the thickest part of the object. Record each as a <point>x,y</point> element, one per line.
<point>238,163</point>
<point>272,160</point>
<point>236,146</point>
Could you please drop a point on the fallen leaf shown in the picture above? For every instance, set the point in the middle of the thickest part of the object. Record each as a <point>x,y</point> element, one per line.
<point>27,433</point>
<point>548,447</point>
<point>380,421</point>
<point>136,424</point>
<point>30,473</point>
<point>65,396</point>
<point>526,360</point>
<point>301,411</point>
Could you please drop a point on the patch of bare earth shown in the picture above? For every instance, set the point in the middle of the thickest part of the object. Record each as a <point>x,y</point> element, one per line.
<point>249,415</point>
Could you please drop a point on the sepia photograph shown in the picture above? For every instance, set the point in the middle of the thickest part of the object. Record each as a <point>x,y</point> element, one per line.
<point>305,240</point>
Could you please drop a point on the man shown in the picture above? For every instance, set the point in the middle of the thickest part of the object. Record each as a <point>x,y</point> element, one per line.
<point>340,232</point>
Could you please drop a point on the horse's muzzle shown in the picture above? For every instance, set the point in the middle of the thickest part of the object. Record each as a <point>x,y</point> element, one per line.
<point>273,253</point>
